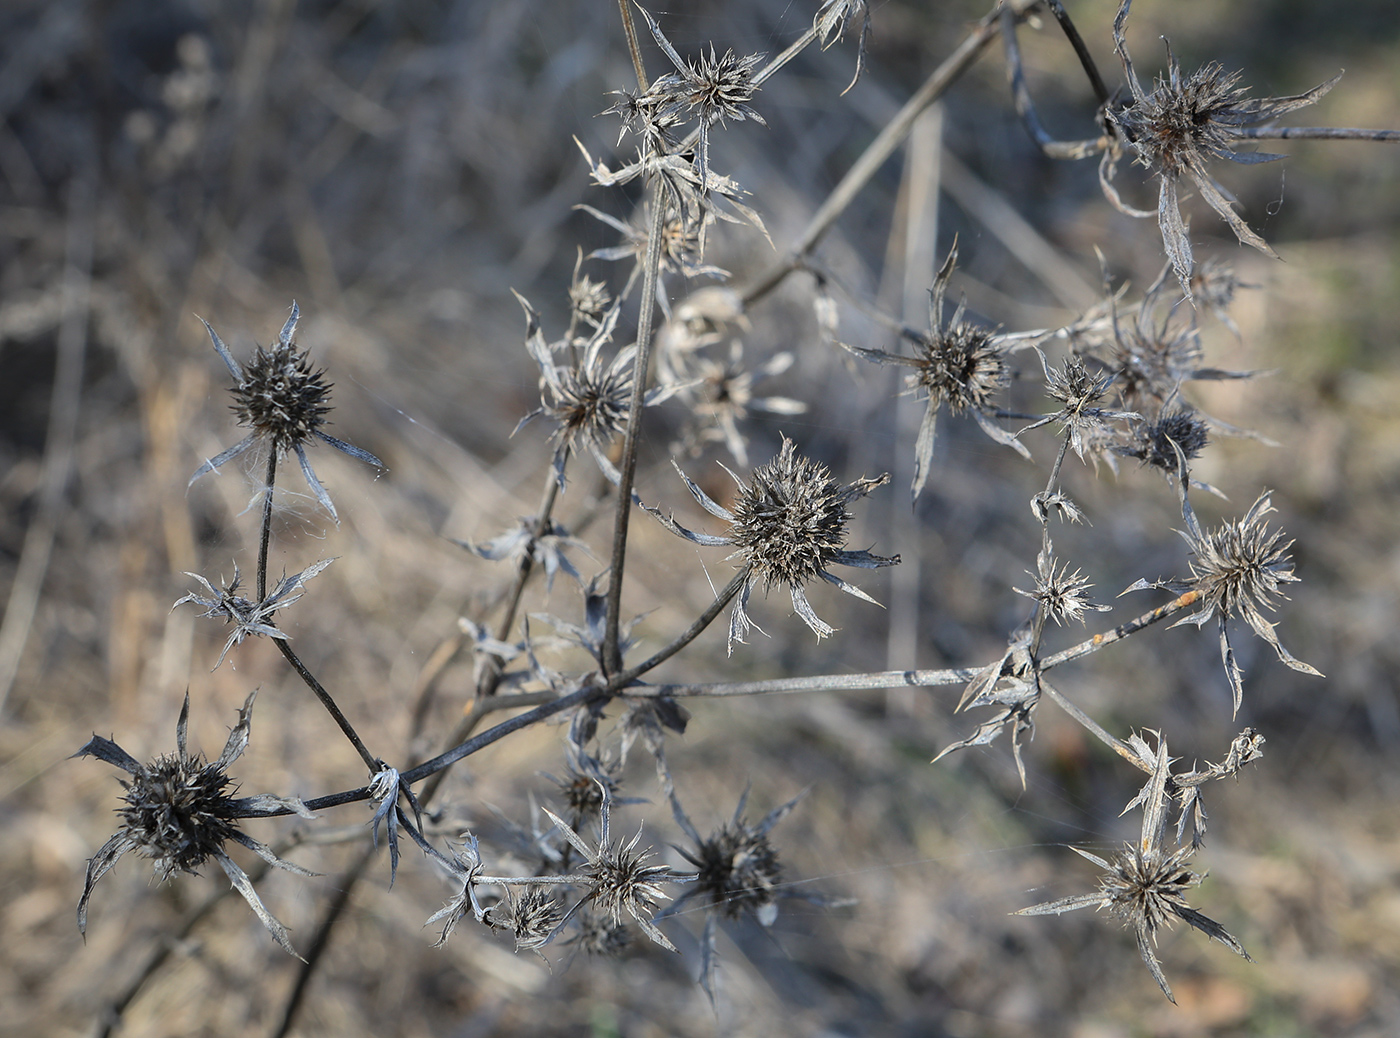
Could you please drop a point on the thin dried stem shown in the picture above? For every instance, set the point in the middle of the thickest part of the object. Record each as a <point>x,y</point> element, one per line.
<point>330,704</point>
<point>1116,745</point>
<point>612,651</point>
<point>884,145</point>
<point>1122,631</point>
<point>821,683</point>
<point>689,635</point>
<point>265,530</point>
<point>629,29</point>
<point>1025,107</point>
<point>1316,133</point>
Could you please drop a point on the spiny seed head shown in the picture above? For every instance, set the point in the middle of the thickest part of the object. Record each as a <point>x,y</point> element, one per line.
<point>584,789</point>
<point>736,869</point>
<point>790,518</point>
<point>531,919</point>
<point>597,936</point>
<point>590,404</point>
<point>1186,118</point>
<point>1152,362</point>
<point>624,882</point>
<point>961,366</point>
<point>1153,442</point>
<point>1145,889</point>
<point>178,812</point>
<point>720,87</point>
<point>1240,566</point>
<point>588,300</point>
<point>282,397</point>
<point>1064,595</point>
<point>1074,385</point>
<point>1214,284</point>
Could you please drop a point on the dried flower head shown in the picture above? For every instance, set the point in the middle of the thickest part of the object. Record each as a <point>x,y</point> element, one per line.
<point>956,363</point>
<point>1145,886</point>
<point>1064,596</point>
<point>587,782</point>
<point>249,618</point>
<point>531,919</point>
<point>682,244</point>
<point>736,868</point>
<point>712,89</point>
<point>282,398</point>
<point>588,401</point>
<point>588,299</point>
<point>621,880</point>
<point>1213,285</point>
<point>180,811</point>
<point>1178,127</point>
<point>1152,354</point>
<point>596,935</point>
<point>1156,443</point>
<point>1078,390</point>
<point>788,524</point>
<point>1237,569</point>
<point>723,396</point>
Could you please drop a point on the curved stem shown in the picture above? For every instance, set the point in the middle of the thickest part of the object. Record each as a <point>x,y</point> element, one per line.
<point>1076,41</point>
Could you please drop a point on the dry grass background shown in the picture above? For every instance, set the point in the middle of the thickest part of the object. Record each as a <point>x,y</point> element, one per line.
<point>397,167</point>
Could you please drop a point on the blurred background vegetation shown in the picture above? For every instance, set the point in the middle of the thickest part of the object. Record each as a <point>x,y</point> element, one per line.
<point>397,168</point>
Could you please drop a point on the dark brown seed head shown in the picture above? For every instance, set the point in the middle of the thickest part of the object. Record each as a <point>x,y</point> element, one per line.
<point>597,936</point>
<point>282,397</point>
<point>1155,443</point>
<point>790,519</point>
<point>961,366</point>
<point>531,918</point>
<point>1146,889</point>
<point>736,869</point>
<point>623,882</point>
<point>591,404</point>
<point>1186,119</point>
<point>178,812</point>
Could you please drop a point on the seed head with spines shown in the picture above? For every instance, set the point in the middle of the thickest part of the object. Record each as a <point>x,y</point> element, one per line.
<point>1177,127</point>
<point>1237,570</point>
<point>283,399</point>
<point>788,524</point>
<point>956,363</point>
<point>180,811</point>
<point>1145,885</point>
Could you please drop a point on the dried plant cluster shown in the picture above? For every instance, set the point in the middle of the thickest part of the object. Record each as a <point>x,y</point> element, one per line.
<point>1117,384</point>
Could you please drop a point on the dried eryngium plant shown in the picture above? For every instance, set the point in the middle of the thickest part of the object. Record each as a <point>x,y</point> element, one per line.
<point>1117,382</point>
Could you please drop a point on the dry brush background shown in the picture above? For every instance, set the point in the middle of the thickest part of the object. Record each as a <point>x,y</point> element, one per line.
<point>397,168</point>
